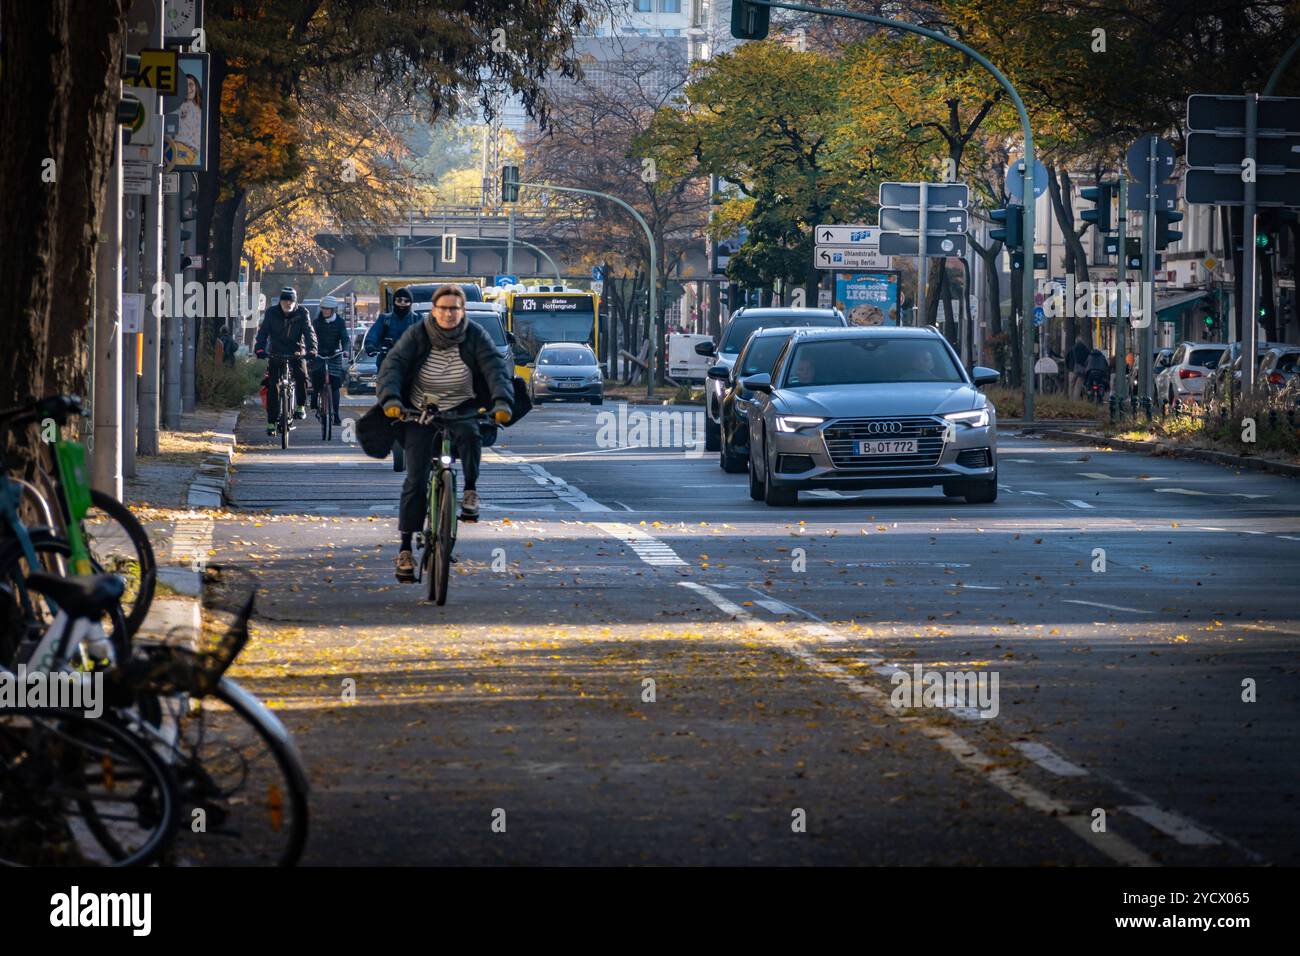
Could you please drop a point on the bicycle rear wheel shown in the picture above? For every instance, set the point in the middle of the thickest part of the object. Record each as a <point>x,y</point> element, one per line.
<point>442,537</point>
<point>81,792</point>
<point>119,544</point>
<point>325,404</point>
<point>238,765</point>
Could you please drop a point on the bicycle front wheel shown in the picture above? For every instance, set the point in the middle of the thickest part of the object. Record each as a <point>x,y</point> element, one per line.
<point>442,537</point>
<point>325,403</point>
<point>119,544</point>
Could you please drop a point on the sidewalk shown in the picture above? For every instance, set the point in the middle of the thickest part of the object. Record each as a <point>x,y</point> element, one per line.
<point>173,494</point>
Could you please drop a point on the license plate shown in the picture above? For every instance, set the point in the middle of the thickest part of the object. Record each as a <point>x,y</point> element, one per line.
<point>887,446</point>
<point>567,385</point>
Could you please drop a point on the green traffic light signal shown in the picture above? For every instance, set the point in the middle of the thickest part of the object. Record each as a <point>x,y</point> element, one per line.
<point>749,21</point>
<point>1263,240</point>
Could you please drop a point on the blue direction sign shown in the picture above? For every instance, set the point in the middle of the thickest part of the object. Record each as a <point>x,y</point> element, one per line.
<point>1016,179</point>
<point>1039,315</point>
<point>505,280</point>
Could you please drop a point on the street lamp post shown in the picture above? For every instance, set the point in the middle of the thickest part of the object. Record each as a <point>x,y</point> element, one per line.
<point>654,274</point>
<point>1027,298</point>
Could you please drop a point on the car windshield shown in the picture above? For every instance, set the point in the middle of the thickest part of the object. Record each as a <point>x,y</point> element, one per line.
<point>489,322</point>
<point>762,355</point>
<point>740,329</point>
<point>1205,358</point>
<point>870,361</point>
<point>566,357</point>
<point>1286,362</point>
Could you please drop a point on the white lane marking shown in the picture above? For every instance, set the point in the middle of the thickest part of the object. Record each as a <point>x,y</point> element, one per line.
<point>1244,531</point>
<point>776,607</point>
<point>1049,759</point>
<point>1288,537</point>
<point>1206,494</point>
<point>1019,461</point>
<point>1211,529</point>
<point>1109,607</point>
<point>824,493</point>
<point>1171,824</point>
<point>958,747</point>
<point>1077,503</point>
<point>1041,494</point>
<point>563,490</point>
<point>1005,487</point>
<point>623,506</point>
<point>646,547</point>
<point>1099,476</point>
<point>982,587</point>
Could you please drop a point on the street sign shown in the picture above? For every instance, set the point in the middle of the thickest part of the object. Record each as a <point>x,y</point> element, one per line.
<point>597,273</point>
<point>1203,186</point>
<point>824,298</point>
<point>899,244</point>
<point>1207,113</point>
<point>132,312</point>
<point>1039,315</point>
<point>159,71</point>
<point>1166,196</point>
<point>839,235</point>
<point>137,178</point>
<point>504,280</point>
<point>182,18</point>
<point>937,195</point>
<point>171,184</point>
<point>1212,150</point>
<point>936,220</point>
<point>448,247</point>
<point>837,258</point>
<point>1137,159</point>
<point>1016,175</point>
<point>598,286</point>
<point>1216,150</point>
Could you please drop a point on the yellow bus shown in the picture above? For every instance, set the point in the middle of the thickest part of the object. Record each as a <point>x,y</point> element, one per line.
<point>537,317</point>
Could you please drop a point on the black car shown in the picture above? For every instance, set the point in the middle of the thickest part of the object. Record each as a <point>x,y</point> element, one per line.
<point>735,334</point>
<point>1229,371</point>
<point>756,358</point>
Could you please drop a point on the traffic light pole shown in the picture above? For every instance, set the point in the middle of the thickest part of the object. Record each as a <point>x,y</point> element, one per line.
<point>921,261</point>
<point>1146,334</point>
<point>1027,276</point>
<point>1249,291</point>
<point>654,272</point>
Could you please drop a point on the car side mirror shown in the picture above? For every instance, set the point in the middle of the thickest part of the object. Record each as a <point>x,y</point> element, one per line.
<point>758,383</point>
<point>718,371</point>
<point>985,376</point>
<point>705,348</point>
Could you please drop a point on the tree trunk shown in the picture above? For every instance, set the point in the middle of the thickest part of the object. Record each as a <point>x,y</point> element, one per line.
<point>59,66</point>
<point>1062,205</point>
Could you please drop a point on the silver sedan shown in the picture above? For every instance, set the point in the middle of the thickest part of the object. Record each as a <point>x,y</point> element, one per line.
<point>863,408</point>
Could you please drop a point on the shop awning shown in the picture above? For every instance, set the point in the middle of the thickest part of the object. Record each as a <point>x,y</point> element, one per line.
<point>1171,305</point>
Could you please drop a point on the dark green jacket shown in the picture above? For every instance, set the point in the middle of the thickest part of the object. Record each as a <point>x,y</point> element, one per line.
<point>492,377</point>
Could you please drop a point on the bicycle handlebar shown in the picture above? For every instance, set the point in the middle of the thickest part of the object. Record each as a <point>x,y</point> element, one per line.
<point>431,416</point>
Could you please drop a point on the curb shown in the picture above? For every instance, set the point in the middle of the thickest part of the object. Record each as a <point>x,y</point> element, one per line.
<point>208,488</point>
<point>1164,449</point>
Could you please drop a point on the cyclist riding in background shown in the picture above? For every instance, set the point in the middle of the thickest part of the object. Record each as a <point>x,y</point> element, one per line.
<point>331,337</point>
<point>451,359</point>
<point>287,334</point>
<point>388,328</point>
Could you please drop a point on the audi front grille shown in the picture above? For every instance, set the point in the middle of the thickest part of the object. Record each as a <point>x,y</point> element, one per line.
<point>842,434</point>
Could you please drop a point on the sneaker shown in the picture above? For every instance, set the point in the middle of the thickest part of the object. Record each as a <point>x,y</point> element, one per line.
<point>270,429</point>
<point>300,412</point>
<point>469,506</point>
<point>405,566</point>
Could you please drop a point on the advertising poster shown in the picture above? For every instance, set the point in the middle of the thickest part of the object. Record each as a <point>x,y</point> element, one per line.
<point>868,298</point>
<point>185,145</point>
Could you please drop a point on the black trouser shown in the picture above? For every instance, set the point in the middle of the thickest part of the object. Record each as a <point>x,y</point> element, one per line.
<point>298,369</point>
<point>318,381</point>
<point>418,441</point>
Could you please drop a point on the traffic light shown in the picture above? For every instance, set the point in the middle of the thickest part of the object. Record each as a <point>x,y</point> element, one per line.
<point>1012,233</point>
<point>509,183</point>
<point>1165,235</point>
<point>1099,194</point>
<point>749,21</point>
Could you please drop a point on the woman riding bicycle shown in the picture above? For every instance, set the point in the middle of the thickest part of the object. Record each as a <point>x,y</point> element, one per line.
<point>455,363</point>
<point>332,349</point>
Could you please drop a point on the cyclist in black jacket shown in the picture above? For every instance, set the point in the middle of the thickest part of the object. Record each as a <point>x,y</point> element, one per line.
<point>331,336</point>
<point>285,333</point>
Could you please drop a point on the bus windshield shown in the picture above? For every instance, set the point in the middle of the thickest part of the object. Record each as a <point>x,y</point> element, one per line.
<point>539,319</point>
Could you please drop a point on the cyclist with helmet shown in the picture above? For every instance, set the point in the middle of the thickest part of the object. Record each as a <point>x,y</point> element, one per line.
<point>286,328</point>
<point>331,337</point>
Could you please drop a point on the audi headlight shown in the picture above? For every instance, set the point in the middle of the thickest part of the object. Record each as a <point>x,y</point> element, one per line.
<point>793,423</point>
<point>976,418</point>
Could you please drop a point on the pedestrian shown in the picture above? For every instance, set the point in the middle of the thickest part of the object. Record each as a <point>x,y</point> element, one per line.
<point>226,345</point>
<point>1078,366</point>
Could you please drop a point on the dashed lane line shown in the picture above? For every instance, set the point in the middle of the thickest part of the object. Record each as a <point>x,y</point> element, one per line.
<point>1049,759</point>
<point>1108,607</point>
<point>646,547</point>
<point>956,746</point>
<point>1171,824</point>
<point>1079,504</point>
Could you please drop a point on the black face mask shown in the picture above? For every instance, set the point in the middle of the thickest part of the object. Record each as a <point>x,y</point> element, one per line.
<point>401,308</point>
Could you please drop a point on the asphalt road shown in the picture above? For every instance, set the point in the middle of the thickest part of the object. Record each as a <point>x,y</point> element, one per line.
<point>637,663</point>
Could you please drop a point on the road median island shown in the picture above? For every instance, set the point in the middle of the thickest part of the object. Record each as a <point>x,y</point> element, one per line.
<point>1173,449</point>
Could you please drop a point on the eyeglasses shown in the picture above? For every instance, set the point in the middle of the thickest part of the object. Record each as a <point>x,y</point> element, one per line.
<point>449,308</point>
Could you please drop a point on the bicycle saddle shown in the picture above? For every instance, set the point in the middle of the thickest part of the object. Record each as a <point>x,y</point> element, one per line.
<point>86,596</point>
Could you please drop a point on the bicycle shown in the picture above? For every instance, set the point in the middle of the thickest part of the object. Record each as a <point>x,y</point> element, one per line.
<point>438,539</point>
<point>96,525</point>
<point>286,394</point>
<point>325,397</point>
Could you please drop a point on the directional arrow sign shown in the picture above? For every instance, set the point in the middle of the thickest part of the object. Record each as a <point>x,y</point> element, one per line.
<point>843,258</point>
<point>828,235</point>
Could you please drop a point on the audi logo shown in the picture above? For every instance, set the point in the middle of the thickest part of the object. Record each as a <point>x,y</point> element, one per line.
<point>883,428</point>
